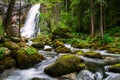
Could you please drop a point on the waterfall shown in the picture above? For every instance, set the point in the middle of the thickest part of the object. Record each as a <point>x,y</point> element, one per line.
<point>30,29</point>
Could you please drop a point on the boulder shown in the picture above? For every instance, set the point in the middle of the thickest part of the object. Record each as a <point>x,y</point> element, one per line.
<point>28,57</point>
<point>7,63</point>
<point>114,68</point>
<point>92,54</point>
<point>12,46</point>
<point>15,39</point>
<point>61,32</point>
<point>114,50</point>
<point>57,43</point>
<point>39,45</point>
<point>63,49</point>
<point>64,65</point>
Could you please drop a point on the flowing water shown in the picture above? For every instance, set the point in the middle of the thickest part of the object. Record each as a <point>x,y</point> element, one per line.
<point>30,29</point>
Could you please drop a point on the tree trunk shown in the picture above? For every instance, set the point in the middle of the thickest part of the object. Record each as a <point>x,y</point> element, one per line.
<point>92,19</point>
<point>101,20</point>
<point>19,17</point>
<point>9,16</point>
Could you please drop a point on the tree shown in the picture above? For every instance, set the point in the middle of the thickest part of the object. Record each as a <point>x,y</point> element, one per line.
<point>92,19</point>
<point>101,18</point>
<point>7,23</point>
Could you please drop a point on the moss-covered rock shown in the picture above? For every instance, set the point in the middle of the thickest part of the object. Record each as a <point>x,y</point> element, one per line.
<point>39,45</point>
<point>15,39</point>
<point>114,50</point>
<point>81,53</point>
<point>114,68</point>
<point>79,45</point>
<point>28,57</point>
<point>92,54</point>
<point>12,46</point>
<point>62,49</point>
<point>65,65</point>
<point>5,51</point>
<point>57,43</point>
<point>61,32</point>
<point>7,63</point>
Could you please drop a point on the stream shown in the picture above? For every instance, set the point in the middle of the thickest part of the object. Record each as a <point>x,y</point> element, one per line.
<point>38,70</point>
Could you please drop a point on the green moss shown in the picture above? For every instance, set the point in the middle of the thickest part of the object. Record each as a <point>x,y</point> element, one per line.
<point>30,51</point>
<point>65,65</point>
<point>2,51</point>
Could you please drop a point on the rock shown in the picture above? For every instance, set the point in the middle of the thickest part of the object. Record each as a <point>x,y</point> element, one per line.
<point>62,49</point>
<point>7,63</point>
<point>60,32</point>
<point>36,40</point>
<point>5,51</point>
<point>114,50</point>
<point>91,54</point>
<point>36,78</point>
<point>28,57</point>
<point>79,45</point>
<point>11,46</point>
<point>39,45</point>
<point>23,44</point>
<point>15,39</point>
<point>114,68</point>
<point>57,43</point>
<point>64,65</point>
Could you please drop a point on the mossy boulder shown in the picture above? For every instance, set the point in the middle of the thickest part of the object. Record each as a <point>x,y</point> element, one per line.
<point>39,45</point>
<point>28,57</point>
<point>12,46</point>
<point>22,44</point>
<point>57,43</point>
<point>64,65</point>
<point>4,51</point>
<point>7,63</point>
<point>62,49</point>
<point>15,39</point>
<point>114,68</point>
<point>94,45</point>
<point>61,32</point>
<point>36,40</point>
<point>81,53</point>
<point>114,50</point>
<point>92,54</point>
<point>79,45</point>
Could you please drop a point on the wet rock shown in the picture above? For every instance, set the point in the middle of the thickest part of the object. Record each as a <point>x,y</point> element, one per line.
<point>114,50</point>
<point>62,49</point>
<point>39,45</point>
<point>64,65</point>
<point>12,46</point>
<point>57,43</point>
<point>7,63</point>
<point>15,39</point>
<point>28,57</point>
<point>60,32</point>
<point>92,54</point>
<point>36,78</point>
<point>79,45</point>
<point>114,68</point>
<point>5,51</point>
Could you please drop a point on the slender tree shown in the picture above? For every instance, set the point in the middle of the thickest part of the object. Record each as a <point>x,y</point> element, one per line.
<point>9,16</point>
<point>92,19</point>
<point>101,18</point>
<point>19,17</point>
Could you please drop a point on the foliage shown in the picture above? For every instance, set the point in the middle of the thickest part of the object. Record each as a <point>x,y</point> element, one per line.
<point>30,51</point>
<point>1,27</point>
<point>107,38</point>
<point>2,51</point>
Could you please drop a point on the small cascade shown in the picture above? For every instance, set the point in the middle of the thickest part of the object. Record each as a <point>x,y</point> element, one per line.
<point>30,29</point>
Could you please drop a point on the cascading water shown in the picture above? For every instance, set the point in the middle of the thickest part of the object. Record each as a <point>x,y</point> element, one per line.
<point>30,29</point>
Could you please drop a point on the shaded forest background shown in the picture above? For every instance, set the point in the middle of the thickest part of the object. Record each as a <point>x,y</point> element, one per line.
<point>82,17</point>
